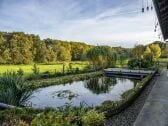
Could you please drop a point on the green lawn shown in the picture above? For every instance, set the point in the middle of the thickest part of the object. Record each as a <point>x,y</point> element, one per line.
<point>42,67</point>
<point>163,63</point>
<point>163,59</point>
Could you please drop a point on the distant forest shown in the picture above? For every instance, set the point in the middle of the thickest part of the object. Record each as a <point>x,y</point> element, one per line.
<point>21,48</point>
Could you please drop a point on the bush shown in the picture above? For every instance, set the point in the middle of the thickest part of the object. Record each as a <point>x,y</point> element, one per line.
<point>20,72</point>
<point>17,116</point>
<point>77,70</point>
<point>53,119</point>
<point>139,63</point>
<point>35,69</point>
<point>93,118</point>
<point>66,115</point>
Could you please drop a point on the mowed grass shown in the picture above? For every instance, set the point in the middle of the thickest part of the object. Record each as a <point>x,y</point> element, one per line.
<point>163,59</point>
<point>42,67</point>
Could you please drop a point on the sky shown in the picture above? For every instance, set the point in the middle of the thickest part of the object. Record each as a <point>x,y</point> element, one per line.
<point>98,22</point>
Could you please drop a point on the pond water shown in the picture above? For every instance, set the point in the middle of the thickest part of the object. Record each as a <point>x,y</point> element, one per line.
<point>92,92</point>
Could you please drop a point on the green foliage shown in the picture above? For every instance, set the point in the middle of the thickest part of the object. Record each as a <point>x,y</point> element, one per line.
<point>63,116</point>
<point>21,48</point>
<point>138,51</point>
<point>144,58</point>
<point>164,53</point>
<point>53,119</point>
<point>63,68</point>
<point>122,57</point>
<point>20,72</point>
<point>17,116</point>
<point>140,63</point>
<point>66,115</point>
<point>148,56</point>
<point>35,69</point>
<point>155,50</point>
<point>102,57</point>
<point>93,118</point>
<point>13,89</point>
<point>52,68</point>
<point>61,80</point>
<point>100,85</point>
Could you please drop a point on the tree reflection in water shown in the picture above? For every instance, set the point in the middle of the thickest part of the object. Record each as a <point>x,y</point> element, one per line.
<point>100,85</point>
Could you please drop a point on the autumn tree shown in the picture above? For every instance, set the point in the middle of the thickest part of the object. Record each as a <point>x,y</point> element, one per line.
<point>138,51</point>
<point>155,50</point>
<point>101,56</point>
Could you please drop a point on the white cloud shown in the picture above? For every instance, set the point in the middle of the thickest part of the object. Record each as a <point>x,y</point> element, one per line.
<point>116,26</point>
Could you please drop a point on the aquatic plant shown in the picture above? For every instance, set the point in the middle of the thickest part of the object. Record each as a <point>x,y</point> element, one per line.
<point>13,89</point>
<point>65,94</point>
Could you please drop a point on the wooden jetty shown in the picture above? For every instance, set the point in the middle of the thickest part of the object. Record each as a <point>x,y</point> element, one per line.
<point>127,72</point>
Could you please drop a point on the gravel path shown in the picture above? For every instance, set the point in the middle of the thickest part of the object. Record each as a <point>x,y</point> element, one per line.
<point>129,115</point>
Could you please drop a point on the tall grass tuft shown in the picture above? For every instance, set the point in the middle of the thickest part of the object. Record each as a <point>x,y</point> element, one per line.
<point>13,89</point>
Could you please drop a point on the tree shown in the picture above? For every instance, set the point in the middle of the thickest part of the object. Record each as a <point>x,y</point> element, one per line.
<point>138,51</point>
<point>41,53</point>
<point>101,56</point>
<point>63,54</point>
<point>122,58</point>
<point>155,50</point>
<point>148,55</point>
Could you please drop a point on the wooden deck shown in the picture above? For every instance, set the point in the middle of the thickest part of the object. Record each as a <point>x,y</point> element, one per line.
<point>126,72</point>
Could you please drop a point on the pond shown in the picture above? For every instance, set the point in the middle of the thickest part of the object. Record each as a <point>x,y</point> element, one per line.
<point>92,92</point>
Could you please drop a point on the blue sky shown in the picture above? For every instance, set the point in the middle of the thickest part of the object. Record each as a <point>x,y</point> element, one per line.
<point>98,22</point>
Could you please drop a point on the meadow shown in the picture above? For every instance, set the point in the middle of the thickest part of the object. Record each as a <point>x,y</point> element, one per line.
<point>163,59</point>
<point>52,68</point>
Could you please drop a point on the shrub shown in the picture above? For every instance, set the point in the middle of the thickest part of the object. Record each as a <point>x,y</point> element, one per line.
<point>17,116</point>
<point>77,70</point>
<point>53,118</point>
<point>13,89</point>
<point>139,63</point>
<point>35,69</point>
<point>93,118</point>
<point>20,72</point>
<point>63,68</point>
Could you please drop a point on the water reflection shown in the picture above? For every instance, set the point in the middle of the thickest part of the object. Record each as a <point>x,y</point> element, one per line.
<point>93,92</point>
<point>100,85</point>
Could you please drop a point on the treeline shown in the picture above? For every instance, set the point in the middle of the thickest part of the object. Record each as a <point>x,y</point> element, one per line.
<point>157,48</point>
<point>146,56</point>
<point>21,48</point>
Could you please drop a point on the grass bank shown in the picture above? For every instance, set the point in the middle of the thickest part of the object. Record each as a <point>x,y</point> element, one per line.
<point>163,60</point>
<point>34,84</point>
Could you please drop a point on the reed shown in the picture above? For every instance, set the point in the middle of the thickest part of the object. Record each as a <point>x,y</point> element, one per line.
<point>13,89</point>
